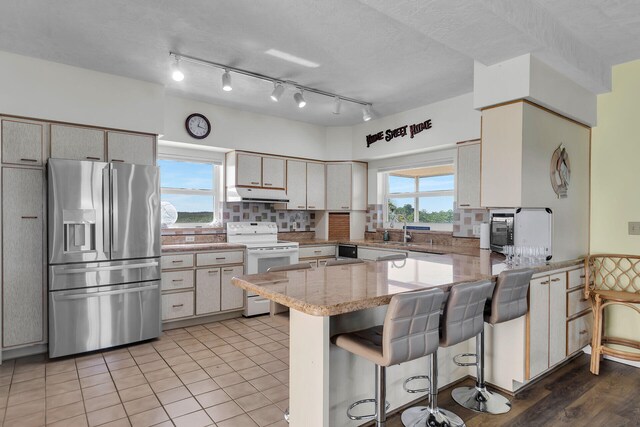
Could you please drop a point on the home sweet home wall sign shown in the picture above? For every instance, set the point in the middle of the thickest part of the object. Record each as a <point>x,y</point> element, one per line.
<point>400,132</point>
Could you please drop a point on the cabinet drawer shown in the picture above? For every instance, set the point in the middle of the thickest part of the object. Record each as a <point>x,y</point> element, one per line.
<point>579,332</point>
<point>177,305</point>
<point>177,261</point>
<point>317,251</point>
<point>576,278</point>
<point>177,280</point>
<point>219,258</point>
<point>576,302</point>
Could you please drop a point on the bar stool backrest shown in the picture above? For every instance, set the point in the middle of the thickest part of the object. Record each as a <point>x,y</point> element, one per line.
<point>509,299</point>
<point>345,261</point>
<point>463,315</point>
<point>411,326</point>
<point>290,267</point>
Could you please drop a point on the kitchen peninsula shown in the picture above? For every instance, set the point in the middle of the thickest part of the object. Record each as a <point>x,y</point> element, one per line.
<point>325,380</point>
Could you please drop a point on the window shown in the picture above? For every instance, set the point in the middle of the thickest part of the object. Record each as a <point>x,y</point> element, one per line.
<point>191,188</point>
<point>421,196</point>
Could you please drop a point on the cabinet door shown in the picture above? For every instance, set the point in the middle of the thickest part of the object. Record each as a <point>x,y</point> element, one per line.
<point>22,142</point>
<point>316,186</point>
<point>232,296</point>
<point>358,187</point>
<point>22,258</point>
<point>296,184</point>
<point>557,318</point>
<point>77,143</point>
<point>130,148</point>
<point>468,171</point>
<point>207,290</point>
<point>273,172</point>
<point>339,187</point>
<point>538,326</point>
<point>249,170</point>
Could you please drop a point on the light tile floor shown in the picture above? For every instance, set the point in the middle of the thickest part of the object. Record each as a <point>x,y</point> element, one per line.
<point>225,374</point>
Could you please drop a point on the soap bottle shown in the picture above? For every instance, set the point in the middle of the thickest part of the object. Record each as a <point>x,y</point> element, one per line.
<point>385,236</point>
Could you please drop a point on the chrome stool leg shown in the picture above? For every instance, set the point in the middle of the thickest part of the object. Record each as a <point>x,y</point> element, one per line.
<point>431,416</point>
<point>478,398</point>
<point>381,405</point>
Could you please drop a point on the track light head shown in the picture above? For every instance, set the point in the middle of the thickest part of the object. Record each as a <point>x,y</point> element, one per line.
<point>226,81</point>
<point>337,103</point>
<point>366,113</point>
<point>278,89</point>
<point>176,72</point>
<point>299,99</point>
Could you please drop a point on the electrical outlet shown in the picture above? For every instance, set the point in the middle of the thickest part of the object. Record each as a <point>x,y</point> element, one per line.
<point>634,228</point>
<point>190,239</point>
<point>476,230</point>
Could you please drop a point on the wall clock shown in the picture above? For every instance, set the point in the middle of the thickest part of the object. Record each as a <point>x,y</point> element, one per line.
<point>198,126</point>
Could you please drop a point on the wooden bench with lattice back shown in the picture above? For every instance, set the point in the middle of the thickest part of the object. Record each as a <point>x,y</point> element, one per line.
<point>611,280</point>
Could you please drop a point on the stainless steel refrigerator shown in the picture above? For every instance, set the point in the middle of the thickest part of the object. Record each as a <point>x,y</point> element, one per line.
<point>104,255</point>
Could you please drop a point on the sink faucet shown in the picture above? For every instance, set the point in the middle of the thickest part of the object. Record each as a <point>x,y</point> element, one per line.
<point>406,236</point>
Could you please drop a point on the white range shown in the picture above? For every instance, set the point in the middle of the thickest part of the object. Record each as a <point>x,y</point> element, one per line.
<point>263,252</point>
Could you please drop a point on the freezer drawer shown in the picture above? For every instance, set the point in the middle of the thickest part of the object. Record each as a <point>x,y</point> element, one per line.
<point>96,318</point>
<point>86,275</point>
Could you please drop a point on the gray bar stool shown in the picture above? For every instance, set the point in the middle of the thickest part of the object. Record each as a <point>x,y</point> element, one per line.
<point>410,331</point>
<point>392,257</point>
<point>509,301</point>
<point>461,320</point>
<point>344,261</point>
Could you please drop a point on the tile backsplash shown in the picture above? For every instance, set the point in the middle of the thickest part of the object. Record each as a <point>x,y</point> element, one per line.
<point>256,212</point>
<point>374,217</point>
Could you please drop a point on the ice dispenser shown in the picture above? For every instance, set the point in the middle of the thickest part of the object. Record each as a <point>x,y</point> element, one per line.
<point>79,230</point>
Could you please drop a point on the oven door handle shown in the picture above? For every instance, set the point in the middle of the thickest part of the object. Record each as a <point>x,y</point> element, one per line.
<point>272,251</point>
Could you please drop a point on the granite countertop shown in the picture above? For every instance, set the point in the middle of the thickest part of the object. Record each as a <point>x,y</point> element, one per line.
<point>329,291</point>
<point>312,242</point>
<point>419,247</point>
<point>200,247</point>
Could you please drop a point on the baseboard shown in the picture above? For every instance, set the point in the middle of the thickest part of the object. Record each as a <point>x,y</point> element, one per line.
<point>633,363</point>
<point>31,350</point>
<point>166,326</point>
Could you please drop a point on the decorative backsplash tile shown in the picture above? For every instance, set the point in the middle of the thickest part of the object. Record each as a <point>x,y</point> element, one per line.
<point>258,212</point>
<point>374,218</point>
<point>465,219</point>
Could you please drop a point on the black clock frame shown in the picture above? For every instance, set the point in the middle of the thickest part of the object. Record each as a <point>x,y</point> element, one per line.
<point>186,125</point>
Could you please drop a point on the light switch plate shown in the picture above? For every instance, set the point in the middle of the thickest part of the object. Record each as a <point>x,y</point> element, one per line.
<point>476,230</point>
<point>190,239</point>
<point>634,228</point>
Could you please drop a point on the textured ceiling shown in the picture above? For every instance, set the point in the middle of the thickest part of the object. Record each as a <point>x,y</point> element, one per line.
<point>396,54</point>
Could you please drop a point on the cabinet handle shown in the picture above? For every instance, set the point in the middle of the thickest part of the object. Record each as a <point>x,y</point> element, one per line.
<point>29,217</point>
<point>220,258</point>
<point>29,160</point>
<point>213,271</point>
<point>582,332</point>
<point>345,207</point>
<point>555,280</point>
<point>177,261</point>
<point>227,270</point>
<point>300,207</point>
<point>177,305</point>
<point>117,160</point>
<point>312,207</point>
<point>582,276</point>
<point>465,204</point>
<point>178,280</point>
<point>93,158</point>
<point>317,252</point>
<point>267,183</point>
<point>545,282</point>
<point>255,183</point>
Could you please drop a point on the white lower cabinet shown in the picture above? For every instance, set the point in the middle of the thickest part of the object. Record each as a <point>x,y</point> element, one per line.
<point>317,255</point>
<point>207,281</point>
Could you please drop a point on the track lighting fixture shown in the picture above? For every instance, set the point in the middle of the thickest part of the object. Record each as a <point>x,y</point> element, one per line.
<point>336,105</point>
<point>279,85</point>
<point>226,81</point>
<point>278,89</point>
<point>299,99</point>
<point>366,113</point>
<point>176,73</point>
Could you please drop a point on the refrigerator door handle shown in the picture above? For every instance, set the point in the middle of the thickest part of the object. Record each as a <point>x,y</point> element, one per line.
<point>106,218</point>
<point>108,268</point>
<point>114,210</point>
<point>86,295</point>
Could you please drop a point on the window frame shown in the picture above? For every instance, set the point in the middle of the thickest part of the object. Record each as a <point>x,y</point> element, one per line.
<point>416,195</point>
<point>215,191</point>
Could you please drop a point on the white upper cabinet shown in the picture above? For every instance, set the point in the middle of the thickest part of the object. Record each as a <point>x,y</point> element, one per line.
<point>130,148</point>
<point>297,184</point>
<point>358,187</point>
<point>22,142</point>
<point>339,186</point>
<point>77,143</point>
<point>468,175</point>
<point>273,172</point>
<point>249,170</point>
<point>316,186</point>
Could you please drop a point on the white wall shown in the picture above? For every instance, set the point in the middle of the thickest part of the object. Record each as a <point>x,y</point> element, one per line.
<point>453,120</point>
<point>47,90</point>
<point>339,143</point>
<point>241,130</point>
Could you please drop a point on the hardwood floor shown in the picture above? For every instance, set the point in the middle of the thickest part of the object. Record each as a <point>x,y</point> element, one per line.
<point>571,396</point>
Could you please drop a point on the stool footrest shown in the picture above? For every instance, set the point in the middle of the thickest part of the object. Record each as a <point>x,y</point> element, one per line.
<point>456,359</point>
<point>368,416</point>
<point>416,390</point>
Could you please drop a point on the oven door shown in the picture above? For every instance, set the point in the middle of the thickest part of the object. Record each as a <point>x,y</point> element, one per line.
<point>259,260</point>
